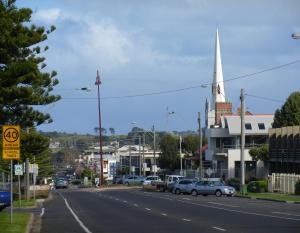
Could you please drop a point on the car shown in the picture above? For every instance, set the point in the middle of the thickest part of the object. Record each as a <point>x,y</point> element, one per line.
<point>205,187</point>
<point>134,180</point>
<point>182,186</point>
<point>150,179</point>
<point>117,180</point>
<point>61,183</point>
<point>4,199</point>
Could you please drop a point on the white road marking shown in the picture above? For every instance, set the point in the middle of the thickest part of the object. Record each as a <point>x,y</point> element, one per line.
<point>125,201</point>
<point>147,209</point>
<point>240,211</point>
<point>42,213</point>
<point>117,199</point>
<point>296,215</point>
<point>76,217</point>
<point>187,220</point>
<point>164,214</point>
<point>136,205</point>
<point>186,198</point>
<point>219,228</point>
<point>216,203</point>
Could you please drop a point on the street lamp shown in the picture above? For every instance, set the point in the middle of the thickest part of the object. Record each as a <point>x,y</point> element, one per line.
<point>97,83</point>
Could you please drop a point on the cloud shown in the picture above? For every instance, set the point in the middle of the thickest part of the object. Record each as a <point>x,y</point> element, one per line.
<point>48,15</point>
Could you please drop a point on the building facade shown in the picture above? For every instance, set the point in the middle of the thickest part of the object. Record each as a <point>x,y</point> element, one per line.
<point>284,150</point>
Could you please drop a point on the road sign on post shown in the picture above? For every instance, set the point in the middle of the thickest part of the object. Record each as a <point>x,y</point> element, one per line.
<point>18,170</point>
<point>11,141</point>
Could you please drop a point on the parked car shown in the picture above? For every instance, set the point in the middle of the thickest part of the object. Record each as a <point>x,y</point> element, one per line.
<point>117,180</point>
<point>182,186</point>
<point>150,179</point>
<point>217,188</point>
<point>4,199</point>
<point>134,180</point>
<point>61,182</point>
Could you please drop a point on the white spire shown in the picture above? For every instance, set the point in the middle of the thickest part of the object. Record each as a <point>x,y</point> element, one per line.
<point>218,92</point>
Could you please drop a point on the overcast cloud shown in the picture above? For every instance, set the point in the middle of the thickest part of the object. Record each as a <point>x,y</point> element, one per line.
<point>151,46</point>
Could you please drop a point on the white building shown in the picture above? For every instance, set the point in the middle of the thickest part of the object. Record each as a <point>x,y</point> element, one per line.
<point>223,130</point>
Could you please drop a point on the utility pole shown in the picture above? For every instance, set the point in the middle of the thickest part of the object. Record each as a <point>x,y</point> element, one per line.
<point>129,158</point>
<point>97,83</point>
<point>27,180</point>
<point>154,151</point>
<point>144,169</point>
<point>242,173</point>
<point>140,158</point>
<point>200,146</point>
<point>180,141</point>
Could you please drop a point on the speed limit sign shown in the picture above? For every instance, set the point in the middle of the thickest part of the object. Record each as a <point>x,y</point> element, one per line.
<point>11,141</point>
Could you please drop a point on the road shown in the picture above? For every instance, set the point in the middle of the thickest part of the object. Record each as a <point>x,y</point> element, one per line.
<point>133,210</point>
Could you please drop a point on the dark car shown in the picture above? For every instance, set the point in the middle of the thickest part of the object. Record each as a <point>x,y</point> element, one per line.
<point>4,199</point>
<point>61,183</point>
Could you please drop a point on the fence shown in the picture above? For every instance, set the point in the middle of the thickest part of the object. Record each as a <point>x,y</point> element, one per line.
<point>283,183</point>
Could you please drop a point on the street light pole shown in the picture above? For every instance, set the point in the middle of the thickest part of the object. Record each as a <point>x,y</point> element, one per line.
<point>154,151</point>
<point>97,83</point>
<point>180,141</point>
<point>200,146</point>
<point>140,160</point>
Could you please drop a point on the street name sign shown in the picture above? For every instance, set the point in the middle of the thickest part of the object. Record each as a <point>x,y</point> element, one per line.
<point>11,141</point>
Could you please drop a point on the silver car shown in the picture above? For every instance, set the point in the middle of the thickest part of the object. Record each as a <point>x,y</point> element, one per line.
<point>134,180</point>
<point>204,188</point>
<point>182,186</point>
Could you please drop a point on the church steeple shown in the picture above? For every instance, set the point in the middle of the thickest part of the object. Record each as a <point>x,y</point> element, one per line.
<point>218,92</point>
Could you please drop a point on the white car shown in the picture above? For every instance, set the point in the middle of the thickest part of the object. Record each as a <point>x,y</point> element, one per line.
<point>150,179</point>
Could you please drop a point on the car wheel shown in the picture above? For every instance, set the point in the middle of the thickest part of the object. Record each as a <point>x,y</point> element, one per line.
<point>177,191</point>
<point>194,193</point>
<point>218,193</point>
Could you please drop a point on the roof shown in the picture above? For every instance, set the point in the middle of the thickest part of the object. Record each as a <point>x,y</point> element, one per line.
<point>233,123</point>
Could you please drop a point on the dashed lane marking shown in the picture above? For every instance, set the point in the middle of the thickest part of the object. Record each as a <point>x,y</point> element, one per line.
<point>216,203</point>
<point>42,213</point>
<point>147,209</point>
<point>164,214</point>
<point>284,213</point>
<point>187,220</point>
<point>219,228</point>
<point>136,205</point>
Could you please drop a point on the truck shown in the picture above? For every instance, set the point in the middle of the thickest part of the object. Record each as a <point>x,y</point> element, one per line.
<point>168,184</point>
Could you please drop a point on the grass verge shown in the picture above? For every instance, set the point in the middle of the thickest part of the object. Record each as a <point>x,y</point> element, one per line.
<point>274,196</point>
<point>19,225</point>
<point>24,203</point>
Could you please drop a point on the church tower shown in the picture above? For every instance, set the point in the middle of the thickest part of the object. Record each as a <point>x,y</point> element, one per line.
<point>219,105</point>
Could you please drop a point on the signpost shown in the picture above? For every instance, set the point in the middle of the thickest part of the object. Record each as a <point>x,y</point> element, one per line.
<point>11,151</point>
<point>19,172</point>
<point>34,169</point>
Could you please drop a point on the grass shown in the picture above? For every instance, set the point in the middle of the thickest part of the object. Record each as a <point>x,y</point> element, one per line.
<point>274,196</point>
<point>20,221</point>
<point>24,203</point>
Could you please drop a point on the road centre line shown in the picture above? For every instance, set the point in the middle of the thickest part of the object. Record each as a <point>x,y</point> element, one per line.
<point>147,209</point>
<point>164,214</point>
<point>187,220</point>
<point>240,211</point>
<point>75,216</point>
<point>185,198</point>
<point>219,228</point>
<point>283,213</point>
<point>136,205</point>
<point>125,201</point>
<point>216,203</point>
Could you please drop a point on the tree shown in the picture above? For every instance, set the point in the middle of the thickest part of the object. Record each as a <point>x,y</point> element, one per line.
<point>23,84</point>
<point>190,143</point>
<point>112,131</point>
<point>260,153</point>
<point>169,158</point>
<point>289,114</point>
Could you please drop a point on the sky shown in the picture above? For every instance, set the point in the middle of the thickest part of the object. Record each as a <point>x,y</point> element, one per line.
<point>152,46</point>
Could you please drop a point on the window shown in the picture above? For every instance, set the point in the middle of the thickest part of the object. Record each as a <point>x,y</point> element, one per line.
<point>248,126</point>
<point>261,126</point>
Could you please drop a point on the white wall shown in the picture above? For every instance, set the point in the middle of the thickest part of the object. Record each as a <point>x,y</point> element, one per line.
<point>235,155</point>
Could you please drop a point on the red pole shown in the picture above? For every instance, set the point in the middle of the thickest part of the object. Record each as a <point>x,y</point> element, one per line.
<point>98,82</point>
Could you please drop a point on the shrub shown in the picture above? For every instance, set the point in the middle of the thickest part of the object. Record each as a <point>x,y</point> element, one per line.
<point>297,188</point>
<point>234,182</point>
<point>259,186</point>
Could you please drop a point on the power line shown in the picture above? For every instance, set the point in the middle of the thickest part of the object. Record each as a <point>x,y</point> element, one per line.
<point>191,87</point>
<point>265,98</point>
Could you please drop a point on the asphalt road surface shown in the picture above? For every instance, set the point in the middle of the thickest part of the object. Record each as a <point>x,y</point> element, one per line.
<point>133,210</point>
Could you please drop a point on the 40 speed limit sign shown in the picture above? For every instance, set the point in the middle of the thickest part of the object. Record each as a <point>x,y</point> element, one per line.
<point>11,141</point>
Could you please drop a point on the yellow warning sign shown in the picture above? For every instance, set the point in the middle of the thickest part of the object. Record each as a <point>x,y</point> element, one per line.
<point>11,141</point>
<point>11,154</point>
